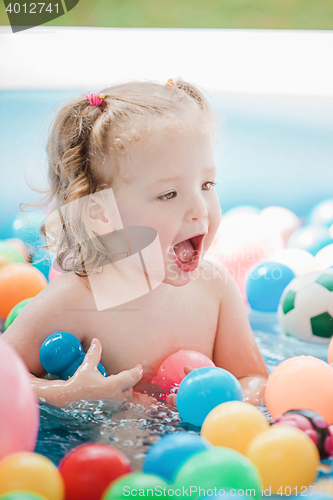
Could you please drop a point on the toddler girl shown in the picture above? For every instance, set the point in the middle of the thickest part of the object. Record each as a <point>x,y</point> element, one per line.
<point>132,174</point>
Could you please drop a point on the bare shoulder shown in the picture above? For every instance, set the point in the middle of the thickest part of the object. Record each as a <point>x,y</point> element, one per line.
<point>71,288</point>
<point>220,280</point>
<point>211,279</point>
<point>217,275</point>
<point>68,292</point>
<point>55,308</point>
<point>213,270</point>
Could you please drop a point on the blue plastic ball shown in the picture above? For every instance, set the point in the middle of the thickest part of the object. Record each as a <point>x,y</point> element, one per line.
<point>26,227</point>
<point>42,263</point>
<point>165,457</point>
<point>61,354</point>
<point>265,285</point>
<point>6,220</point>
<point>322,213</point>
<point>311,238</point>
<point>203,389</point>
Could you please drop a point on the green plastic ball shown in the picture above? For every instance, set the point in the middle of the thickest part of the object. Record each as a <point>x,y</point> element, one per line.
<point>21,495</point>
<point>220,468</point>
<point>14,313</point>
<point>9,254</point>
<point>136,484</point>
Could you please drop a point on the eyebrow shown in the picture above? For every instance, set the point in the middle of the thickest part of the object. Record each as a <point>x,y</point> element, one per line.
<point>176,178</point>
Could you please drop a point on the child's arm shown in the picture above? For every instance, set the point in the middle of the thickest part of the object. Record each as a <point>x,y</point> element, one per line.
<point>235,348</point>
<point>47,313</point>
<point>88,383</point>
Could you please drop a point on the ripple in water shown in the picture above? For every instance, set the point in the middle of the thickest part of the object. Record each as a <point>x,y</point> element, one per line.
<point>129,427</point>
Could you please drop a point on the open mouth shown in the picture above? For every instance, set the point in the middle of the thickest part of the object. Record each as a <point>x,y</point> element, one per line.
<point>187,253</point>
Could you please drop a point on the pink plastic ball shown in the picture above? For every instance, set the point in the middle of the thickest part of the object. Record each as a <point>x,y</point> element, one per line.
<point>19,413</point>
<point>55,269</point>
<point>54,273</point>
<point>171,372</point>
<point>244,240</point>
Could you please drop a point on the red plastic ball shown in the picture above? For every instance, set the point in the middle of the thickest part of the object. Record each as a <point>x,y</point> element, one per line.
<point>89,469</point>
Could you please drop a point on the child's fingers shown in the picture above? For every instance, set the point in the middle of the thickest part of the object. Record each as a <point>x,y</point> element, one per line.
<point>171,399</point>
<point>128,394</point>
<point>128,378</point>
<point>188,369</point>
<point>93,356</point>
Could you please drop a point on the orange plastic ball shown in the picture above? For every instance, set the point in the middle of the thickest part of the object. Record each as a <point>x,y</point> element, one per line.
<point>302,382</point>
<point>18,282</point>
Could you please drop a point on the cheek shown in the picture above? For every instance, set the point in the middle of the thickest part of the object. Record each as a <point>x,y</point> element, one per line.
<point>164,230</point>
<point>129,210</point>
<point>215,214</point>
<point>126,215</point>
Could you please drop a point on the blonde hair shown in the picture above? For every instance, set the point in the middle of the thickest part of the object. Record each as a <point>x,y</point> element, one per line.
<point>83,137</point>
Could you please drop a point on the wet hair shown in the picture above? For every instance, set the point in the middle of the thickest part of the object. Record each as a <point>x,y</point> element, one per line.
<point>84,149</point>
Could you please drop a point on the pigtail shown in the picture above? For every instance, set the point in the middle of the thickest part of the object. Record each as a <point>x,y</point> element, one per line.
<point>191,91</point>
<point>72,179</point>
<point>67,149</point>
<point>212,119</point>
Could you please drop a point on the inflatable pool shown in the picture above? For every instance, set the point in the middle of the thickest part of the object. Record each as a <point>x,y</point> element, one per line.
<point>274,150</point>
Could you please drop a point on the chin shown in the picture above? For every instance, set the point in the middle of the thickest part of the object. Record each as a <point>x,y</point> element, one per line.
<point>175,283</point>
<point>178,278</point>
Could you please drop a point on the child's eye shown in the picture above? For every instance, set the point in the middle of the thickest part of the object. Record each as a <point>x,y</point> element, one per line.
<point>212,185</point>
<point>162,197</point>
<point>166,197</point>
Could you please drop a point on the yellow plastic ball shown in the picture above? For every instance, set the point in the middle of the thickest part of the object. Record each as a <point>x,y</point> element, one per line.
<point>31,472</point>
<point>286,459</point>
<point>233,424</point>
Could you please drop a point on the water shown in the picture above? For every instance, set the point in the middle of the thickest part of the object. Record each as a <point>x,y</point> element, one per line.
<point>133,426</point>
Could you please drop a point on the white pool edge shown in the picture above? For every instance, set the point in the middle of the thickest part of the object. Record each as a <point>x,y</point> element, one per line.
<point>271,62</point>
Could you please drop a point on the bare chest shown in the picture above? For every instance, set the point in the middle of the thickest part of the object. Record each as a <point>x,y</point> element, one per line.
<point>149,329</point>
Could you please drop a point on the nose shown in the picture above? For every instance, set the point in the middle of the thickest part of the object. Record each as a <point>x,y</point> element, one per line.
<point>197,208</point>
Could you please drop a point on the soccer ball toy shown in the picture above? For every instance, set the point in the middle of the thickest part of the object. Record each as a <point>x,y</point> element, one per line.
<point>306,307</point>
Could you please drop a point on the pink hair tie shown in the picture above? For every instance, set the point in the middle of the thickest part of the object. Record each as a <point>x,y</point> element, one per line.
<point>95,99</point>
<point>171,83</point>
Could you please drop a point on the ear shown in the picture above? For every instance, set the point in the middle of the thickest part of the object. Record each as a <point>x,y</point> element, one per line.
<point>100,219</point>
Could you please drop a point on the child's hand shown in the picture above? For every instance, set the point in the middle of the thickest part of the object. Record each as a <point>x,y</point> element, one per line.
<point>139,398</point>
<point>88,383</point>
<point>253,389</point>
<point>171,398</point>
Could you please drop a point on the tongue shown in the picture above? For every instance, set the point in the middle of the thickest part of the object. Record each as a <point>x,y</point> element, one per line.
<point>184,251</point>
